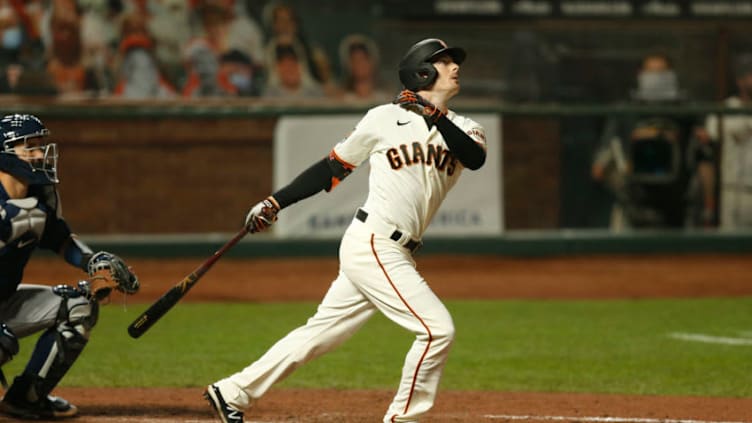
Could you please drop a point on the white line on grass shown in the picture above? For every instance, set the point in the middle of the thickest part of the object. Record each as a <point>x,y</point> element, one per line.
<point>597,419</point>
<point>710,339</point>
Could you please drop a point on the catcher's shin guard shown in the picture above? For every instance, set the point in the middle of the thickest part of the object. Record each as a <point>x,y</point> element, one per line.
<point>28,397</point>
<point>8,348</point>
<point>22,400</point>
<point>59,347</point>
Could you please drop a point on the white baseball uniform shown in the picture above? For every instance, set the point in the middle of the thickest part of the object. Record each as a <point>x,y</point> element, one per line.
<point>411,172</point>
<point>736,166</point>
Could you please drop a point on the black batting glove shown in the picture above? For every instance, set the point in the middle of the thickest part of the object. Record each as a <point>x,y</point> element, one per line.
<point>410,100</point>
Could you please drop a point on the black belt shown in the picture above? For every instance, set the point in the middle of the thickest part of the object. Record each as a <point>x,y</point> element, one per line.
<point>411,244</point>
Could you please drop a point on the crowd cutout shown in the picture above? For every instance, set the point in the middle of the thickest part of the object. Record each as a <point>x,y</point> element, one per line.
<point>172,49</point>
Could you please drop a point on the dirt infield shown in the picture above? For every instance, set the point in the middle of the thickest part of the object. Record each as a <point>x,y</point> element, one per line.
<point>330,406</point>
<point>451,278</point>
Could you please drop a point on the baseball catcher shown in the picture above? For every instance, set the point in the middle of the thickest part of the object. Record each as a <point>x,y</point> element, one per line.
<point>30,217</point>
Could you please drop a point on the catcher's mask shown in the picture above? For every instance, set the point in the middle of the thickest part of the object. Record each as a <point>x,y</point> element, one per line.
<point>22,129</point>
<point>416,71</point>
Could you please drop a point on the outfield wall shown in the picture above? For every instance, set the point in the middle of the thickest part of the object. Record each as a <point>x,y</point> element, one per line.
<point>513,243</point>
<point>195,168</point>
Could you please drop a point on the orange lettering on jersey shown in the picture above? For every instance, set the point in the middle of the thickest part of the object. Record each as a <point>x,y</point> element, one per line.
<point>394,158</point>
<point>444,160</point>
<point>476,134</point>
<point>437,156</point>
<point>406,154</point>
<point>418,153</point>
<point>434,154</point>
<point>452,165</point>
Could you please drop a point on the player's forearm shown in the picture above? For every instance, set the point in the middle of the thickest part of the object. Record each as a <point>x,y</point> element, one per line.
<point>58,237</point>
<point>76,252</point>
<point>311,181</point>
<point>471,154</point>
<point>322,175</point>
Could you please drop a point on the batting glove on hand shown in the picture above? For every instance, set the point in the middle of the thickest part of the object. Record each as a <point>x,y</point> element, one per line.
<point>410,100</point>
<point>262,215</point>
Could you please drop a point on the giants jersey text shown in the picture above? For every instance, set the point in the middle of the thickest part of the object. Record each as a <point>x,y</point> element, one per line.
<point>394,141</point>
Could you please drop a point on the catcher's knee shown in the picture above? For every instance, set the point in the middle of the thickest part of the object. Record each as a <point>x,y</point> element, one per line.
<point>72,338</point>
<point>82,316</point>
<point>76,310</point>
<point>73,332</point>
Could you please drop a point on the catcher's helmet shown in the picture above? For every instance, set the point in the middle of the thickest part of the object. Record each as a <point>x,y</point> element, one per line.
<point>19,129</point>
<point>416,71</point>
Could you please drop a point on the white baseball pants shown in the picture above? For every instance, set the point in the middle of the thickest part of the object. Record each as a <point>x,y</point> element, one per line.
<point>376,273</point>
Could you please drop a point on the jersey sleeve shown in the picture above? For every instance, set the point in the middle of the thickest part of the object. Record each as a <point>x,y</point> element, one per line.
<point>354,149</point>
<point>475,131</point>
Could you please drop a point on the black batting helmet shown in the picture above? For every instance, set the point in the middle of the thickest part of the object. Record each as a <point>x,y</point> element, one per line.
<point>415,69</point>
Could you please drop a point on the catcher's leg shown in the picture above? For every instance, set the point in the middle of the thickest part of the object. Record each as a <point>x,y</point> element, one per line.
<point>8,348</point>
<point>67,319</point>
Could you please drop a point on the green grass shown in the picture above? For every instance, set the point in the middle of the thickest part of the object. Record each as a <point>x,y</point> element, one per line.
<point>553,346</point>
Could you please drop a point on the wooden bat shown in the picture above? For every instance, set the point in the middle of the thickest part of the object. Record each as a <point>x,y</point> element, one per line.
<point>174,294</point>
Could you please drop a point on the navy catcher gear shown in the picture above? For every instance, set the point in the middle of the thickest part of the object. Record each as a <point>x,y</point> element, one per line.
<point>8,344</point>
<point>415,69</point>
<point>55,352</point>
<point>8,348</point>
<point>20,129</point>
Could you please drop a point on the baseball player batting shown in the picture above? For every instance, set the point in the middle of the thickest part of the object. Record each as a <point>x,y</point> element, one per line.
<point>30,217</point>
<point>417,149</point>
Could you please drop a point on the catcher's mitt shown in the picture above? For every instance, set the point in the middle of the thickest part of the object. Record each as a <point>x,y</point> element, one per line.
<point>108,271</point>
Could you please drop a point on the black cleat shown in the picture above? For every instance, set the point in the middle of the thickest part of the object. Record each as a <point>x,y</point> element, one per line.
<point>226,413</point>
<point>49,408</point>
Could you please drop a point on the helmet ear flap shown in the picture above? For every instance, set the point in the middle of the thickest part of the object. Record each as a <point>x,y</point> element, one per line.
<point>426,74</point>
<point>418,77</point>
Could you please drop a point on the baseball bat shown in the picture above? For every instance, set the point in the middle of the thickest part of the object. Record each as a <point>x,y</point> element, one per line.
<point>160,307</point>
